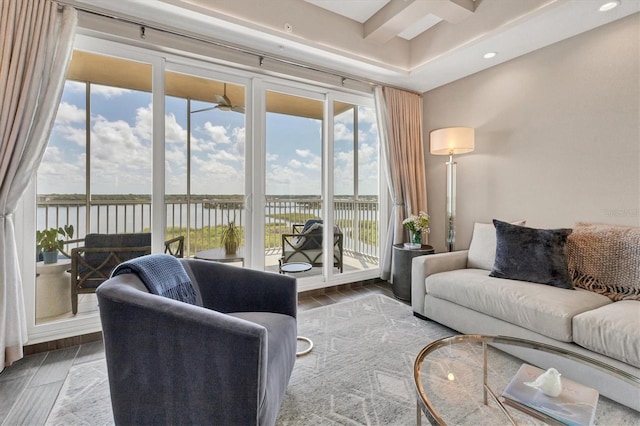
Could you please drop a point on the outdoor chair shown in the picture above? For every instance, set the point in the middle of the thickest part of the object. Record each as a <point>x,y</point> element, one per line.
<point>304,244</point>
<point>92,264</point>
<point>220,354</point>
<point>175,246</point>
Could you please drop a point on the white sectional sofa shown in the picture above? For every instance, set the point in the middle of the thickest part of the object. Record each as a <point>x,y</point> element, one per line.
<point>456,289</point>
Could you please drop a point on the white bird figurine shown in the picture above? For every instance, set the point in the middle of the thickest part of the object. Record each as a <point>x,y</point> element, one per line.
<point>548,382</point>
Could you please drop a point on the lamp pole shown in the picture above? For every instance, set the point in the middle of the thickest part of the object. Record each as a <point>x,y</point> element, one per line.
<point>451,201</point>
<point>450,141</point>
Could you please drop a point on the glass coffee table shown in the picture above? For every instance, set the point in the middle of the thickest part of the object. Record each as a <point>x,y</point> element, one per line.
<point>460,380</point>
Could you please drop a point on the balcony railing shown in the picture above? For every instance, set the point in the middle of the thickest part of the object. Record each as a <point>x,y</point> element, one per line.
<point>201,221</point>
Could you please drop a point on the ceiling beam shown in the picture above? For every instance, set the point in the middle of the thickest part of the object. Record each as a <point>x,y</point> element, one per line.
<point>398,15</point>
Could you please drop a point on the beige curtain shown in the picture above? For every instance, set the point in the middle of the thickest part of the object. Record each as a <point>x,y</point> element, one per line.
<point>36,40</point>
<point>399,115</point>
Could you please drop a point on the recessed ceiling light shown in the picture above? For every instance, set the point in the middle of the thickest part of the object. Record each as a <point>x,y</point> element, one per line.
<point>490,55</point>
<point>609,5</point>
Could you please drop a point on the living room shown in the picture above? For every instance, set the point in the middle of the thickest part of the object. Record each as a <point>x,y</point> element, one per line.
<point>556,137</point>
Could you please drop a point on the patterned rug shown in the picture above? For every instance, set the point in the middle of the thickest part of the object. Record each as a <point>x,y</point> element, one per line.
<point>359,372</point>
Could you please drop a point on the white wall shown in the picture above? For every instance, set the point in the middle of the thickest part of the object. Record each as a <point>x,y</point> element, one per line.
<point>557,136</point>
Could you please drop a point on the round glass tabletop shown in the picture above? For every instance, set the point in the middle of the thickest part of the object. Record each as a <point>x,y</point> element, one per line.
<point>293,267</point>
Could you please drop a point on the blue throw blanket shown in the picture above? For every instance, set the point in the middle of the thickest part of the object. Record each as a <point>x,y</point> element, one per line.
<point>162,274</point>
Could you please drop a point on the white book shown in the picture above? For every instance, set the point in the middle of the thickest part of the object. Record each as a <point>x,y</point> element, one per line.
<point>575,406</point>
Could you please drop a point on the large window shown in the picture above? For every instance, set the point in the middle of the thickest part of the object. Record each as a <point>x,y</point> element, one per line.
<point>258,152</point>
<point>96,172</point>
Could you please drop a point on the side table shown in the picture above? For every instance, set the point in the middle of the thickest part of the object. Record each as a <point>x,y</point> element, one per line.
<point>292,268</point>
<point>220,255</point>
<point>401,277</point>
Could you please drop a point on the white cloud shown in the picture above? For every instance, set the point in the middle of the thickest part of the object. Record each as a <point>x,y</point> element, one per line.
<point>212,176</point>
<point>121,160</point>
<point>224,156</point>
<point>238,135</point>
<point>68,113</point>
<point>342,132</point>
<point>314,164</point>
<point>367,115</point>
<point>201,145</point>
<point>271,157</point>
<point>173,131</point>
<point>217,133</point>
<point>175,156</point>
<point>144,122</point>
<point>72,134</point>
<point>295,164</point>
<point>51,174</point>
<point>74,86</point>
<point>108,92</point>
<point>304,153</point>
<point>281,179</point>
<point>279,174</point>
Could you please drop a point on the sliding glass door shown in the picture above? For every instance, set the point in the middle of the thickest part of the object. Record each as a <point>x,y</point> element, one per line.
<point>205,165</point>
<point>356,183</point>
<point>293,176</point>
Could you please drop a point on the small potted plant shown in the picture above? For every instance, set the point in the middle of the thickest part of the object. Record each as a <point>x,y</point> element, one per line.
<point>231,238</point>
<point>50,241</point>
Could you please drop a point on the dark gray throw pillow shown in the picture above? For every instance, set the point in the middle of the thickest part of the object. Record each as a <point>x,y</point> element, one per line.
<point>529,254</point>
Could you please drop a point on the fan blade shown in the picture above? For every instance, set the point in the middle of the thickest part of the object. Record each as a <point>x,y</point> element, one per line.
<point>219,99</point>
<point>237,108</point>
<point>204,109</point>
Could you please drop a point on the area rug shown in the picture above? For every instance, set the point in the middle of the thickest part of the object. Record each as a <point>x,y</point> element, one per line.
<point>359,372</point>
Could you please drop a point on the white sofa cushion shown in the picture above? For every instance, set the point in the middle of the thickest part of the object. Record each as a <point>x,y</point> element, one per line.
<point>612,330</point>
<point>540,308</point>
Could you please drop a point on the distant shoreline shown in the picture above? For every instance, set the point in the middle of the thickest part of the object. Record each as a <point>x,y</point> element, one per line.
<point>194,197</point>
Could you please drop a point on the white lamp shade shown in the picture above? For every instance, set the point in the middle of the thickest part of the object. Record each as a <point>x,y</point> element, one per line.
<point>452,140</point>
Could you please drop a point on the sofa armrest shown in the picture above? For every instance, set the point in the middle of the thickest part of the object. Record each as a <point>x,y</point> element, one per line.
<point>423,266</point>
<point>228,288</point>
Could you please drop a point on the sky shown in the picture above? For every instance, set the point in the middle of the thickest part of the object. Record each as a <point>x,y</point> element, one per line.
<point>120,151</point>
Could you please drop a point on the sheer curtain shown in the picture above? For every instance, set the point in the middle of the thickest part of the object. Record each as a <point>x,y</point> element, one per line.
<point>36,41</point>
<point>399,115</point>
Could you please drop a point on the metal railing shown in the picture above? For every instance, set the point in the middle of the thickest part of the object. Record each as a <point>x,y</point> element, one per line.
<point>202,220</point>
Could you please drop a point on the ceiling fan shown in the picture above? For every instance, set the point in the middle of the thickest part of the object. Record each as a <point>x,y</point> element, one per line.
<point>223,103</point>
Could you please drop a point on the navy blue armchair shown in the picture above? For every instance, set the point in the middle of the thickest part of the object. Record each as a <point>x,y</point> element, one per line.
<point>226,360</point>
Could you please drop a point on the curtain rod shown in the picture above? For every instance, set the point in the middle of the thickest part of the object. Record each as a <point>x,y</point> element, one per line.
<point>239,49</point>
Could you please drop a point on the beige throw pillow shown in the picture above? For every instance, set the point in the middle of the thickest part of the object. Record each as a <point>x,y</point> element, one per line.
<point>482,250</point>
<point>605,259</point>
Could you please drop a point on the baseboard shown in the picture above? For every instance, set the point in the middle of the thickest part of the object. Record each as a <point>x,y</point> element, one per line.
<point>62,343</point>
<point>339,287</point>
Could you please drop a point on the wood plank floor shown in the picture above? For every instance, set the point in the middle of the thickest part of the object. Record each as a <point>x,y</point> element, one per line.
<point>29,388</point>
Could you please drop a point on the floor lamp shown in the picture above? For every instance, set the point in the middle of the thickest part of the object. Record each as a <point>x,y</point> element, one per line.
<point>450,141</point>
